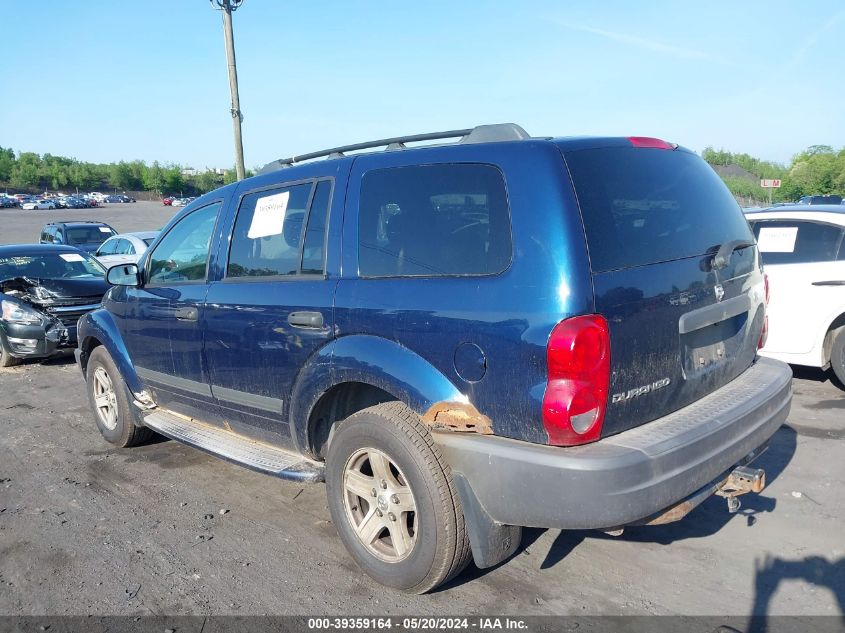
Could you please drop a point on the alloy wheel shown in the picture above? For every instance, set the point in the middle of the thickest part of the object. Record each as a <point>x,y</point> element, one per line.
<point>380,505</point>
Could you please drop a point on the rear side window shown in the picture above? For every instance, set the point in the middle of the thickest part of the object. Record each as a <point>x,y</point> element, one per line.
<point>433,220</point>
<point>643,206</point>
<point>276,235</point>
<point>801,242</point>
<point>108,248</point>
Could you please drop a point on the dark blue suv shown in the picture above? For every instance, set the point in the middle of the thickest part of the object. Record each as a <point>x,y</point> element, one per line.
<point>459,339</point>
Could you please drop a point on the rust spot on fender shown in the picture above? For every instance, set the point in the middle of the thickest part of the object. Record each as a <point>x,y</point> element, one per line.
<point>459,417</point>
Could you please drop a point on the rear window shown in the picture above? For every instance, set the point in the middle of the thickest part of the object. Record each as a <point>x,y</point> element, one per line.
<point>643,206</point>
<point>88,234</point>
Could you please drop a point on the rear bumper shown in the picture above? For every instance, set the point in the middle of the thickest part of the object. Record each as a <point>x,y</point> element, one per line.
<point>627,477</point>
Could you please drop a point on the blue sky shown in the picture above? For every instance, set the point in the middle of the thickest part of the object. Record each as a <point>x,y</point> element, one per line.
<point>108,80</point>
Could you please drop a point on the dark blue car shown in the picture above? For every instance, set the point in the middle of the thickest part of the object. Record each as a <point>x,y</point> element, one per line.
<point>459,339</point>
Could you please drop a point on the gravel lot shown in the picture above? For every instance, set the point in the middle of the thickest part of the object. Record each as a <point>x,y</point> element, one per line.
<point>164,529</point>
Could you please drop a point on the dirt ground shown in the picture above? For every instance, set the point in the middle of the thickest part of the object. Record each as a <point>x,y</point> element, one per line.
<point>165,529</point>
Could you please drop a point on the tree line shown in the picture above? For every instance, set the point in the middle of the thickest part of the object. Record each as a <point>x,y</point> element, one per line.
<point>31,172</point>
<point>818,170</point>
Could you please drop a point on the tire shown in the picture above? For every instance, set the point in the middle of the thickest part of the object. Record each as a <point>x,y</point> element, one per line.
<point>109,400</point>
<point>431,544</point>
<point>837,356</point>
<point>6,358</point>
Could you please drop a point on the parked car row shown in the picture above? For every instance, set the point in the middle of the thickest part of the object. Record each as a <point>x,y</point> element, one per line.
<point>171,201</point>
<point>62,201</point>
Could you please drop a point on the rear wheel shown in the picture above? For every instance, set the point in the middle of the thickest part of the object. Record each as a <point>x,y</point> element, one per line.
<point>837,356</point>
<point>392,499</point>
<point>109,399</point>
<point>6,358</point>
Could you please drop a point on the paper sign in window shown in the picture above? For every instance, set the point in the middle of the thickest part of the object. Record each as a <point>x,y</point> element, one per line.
<point>105,229</point>
<point>269,216</point>
<point>71,257</point>
<point>777,239</point>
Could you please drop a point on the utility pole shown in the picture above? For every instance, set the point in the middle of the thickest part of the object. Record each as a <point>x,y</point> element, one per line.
<point>227,7</point>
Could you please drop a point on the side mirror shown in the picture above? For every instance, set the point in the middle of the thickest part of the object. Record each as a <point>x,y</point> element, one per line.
<point>124,275</point>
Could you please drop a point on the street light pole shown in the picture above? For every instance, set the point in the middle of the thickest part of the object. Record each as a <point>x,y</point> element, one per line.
<point>227,7</point>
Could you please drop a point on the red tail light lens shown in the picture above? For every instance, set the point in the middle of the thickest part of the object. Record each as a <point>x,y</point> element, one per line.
<point>578,363</point>
<point>653,143</point>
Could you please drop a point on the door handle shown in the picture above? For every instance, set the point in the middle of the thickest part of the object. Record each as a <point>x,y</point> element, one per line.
<point>306,319</point>
<point>187,314</point>
<point>834,282</point>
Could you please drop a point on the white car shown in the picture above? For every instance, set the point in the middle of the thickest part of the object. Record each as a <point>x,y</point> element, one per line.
<point>38,204</point>
<point>125,248</point>
<point>803,251</point>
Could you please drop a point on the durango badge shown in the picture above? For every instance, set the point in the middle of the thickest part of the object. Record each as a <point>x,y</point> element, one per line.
<point>640,391</point>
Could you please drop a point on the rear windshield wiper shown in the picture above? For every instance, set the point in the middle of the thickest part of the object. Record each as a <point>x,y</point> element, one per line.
<point>723,255</point>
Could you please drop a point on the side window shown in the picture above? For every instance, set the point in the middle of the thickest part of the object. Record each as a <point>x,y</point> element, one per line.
<point>59,237</point>
<point>129,248</point>
<point>268,232</point>
<point>433,220</point>
<point>799,242</point>
<point>108,248</point>
<point>182,255</point>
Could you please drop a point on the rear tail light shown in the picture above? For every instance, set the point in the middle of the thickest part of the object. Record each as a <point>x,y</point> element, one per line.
<point>578,364</point>
<point>653,143</point>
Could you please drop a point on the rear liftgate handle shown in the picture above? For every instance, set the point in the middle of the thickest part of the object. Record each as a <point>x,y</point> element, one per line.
<point>313,320</point>
<point>187,314</point>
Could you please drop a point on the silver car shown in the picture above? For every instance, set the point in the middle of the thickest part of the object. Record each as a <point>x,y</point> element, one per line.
<point>125,248</point>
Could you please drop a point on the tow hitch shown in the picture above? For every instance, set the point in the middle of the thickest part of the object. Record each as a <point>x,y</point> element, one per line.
<point>730,485</point>
<point>741,480</point>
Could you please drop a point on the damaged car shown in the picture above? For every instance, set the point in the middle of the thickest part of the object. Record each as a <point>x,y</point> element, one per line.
<point>44,289</point>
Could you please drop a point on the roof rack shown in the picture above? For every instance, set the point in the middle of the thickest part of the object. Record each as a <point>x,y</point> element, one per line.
<point>76,222</point>
<point>478,134</point>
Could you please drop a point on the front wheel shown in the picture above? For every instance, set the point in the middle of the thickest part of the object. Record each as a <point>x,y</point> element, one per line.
<point>109,399</point>
<point>6,358</point>
<point>392,499</point>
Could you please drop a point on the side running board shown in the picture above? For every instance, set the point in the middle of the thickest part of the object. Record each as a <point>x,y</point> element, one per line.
<point>235,448</point>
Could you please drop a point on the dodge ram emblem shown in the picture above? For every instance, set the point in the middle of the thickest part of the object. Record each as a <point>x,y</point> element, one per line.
<point>720,292</point>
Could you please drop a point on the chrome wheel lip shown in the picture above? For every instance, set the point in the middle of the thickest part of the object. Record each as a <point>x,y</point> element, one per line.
<point>105,398</point>
<point>380,507</point>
